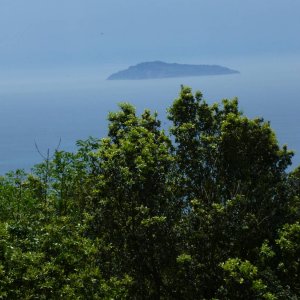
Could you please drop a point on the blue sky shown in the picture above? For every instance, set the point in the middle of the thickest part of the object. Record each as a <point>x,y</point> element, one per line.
<point>43,33</point>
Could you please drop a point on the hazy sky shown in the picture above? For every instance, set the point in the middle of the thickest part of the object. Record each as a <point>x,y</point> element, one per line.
<point>43,33</point>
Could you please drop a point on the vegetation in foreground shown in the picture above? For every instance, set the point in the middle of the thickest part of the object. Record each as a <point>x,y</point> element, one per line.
<point>206,211</point>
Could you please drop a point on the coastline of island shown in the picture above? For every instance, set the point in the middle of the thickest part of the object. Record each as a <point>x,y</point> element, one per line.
<point>160,70</point>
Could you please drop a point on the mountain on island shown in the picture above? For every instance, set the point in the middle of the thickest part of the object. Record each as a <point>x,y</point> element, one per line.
<point>159,69</point>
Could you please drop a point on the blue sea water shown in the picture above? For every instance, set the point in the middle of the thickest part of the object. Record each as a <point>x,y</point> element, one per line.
<point>44,106</point>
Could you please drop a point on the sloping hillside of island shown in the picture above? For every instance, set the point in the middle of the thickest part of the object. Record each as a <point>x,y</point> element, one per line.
<point>159,69</point>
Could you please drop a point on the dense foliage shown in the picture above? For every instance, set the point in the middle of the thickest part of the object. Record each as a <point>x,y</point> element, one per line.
<point>208,211</point>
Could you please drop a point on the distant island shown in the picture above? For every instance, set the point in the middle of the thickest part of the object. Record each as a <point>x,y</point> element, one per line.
<point>159,69</point>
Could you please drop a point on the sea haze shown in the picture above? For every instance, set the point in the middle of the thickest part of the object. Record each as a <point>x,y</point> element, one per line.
<point>43,107</point>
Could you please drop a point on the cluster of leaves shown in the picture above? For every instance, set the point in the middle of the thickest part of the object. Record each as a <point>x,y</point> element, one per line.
<point>208,211</point>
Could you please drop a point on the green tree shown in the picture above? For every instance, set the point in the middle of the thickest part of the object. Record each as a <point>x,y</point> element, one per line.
<point>221,153</point>
<point>136,208</point>
<point>209,212</point>
<point>233,180</point>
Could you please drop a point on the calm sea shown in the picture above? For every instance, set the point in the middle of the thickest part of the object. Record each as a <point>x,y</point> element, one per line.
<point>44,106</point>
